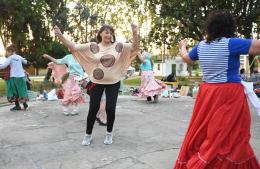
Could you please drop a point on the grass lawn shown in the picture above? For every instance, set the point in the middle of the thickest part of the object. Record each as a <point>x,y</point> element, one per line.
<point>136,80</point>
<point>36,86</point>
<point>133,81</point>
<point>2,87</point>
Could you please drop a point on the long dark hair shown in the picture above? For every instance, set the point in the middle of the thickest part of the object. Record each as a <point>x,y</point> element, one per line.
<point>219,24</point>
<point>104,27</point>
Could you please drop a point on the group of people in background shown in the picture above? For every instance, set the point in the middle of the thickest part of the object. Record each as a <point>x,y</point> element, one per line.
<point>219,130</point>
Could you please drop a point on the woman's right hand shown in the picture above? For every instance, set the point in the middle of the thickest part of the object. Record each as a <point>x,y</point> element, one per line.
<point>57,31</point>
<point>45,56</point>
<point>63,39</point>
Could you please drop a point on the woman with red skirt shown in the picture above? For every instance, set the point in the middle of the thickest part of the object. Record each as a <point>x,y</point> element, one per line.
<point>219,131</point>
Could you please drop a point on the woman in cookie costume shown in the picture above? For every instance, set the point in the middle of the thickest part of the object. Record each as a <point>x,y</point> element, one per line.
<point>105,62</point>
<point>219,131</point>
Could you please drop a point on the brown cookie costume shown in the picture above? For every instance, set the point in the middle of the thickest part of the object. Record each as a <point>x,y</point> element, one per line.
<point>104,65</point>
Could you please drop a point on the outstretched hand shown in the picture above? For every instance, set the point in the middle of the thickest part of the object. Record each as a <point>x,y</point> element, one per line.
<point>134,28</point>
<point>45,56</point>
<point>57,31</point>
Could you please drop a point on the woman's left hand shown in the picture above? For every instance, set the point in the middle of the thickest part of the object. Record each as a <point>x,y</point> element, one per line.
<point>183,43</point>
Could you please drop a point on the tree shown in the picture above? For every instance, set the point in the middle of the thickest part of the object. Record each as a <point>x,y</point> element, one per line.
<point>188,17</point>
<point>27,23</point>
<point>89,15</point>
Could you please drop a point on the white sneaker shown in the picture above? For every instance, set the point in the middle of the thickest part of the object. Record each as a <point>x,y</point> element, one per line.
<point>75,111</point>
<point>109,138</point>
<point>65,111</point>
<point>87,140</point>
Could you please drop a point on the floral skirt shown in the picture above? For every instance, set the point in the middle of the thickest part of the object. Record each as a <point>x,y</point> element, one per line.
<point>72,92</point>
<point>149,85</point>
<point>219,131</point>
<point>16,90</point>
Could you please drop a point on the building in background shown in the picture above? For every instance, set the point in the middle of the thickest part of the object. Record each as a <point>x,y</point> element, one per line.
<point>175,66</point>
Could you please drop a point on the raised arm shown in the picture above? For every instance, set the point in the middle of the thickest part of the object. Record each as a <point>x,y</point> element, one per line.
<point>135,44</point>
<point>255,47</point>
<point>184,52</point>
<point>50,58</point>
<point>69,44</point>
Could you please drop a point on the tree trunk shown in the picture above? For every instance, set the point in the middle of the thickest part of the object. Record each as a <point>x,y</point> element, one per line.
<point>190,70</point>
<point>86,38</point>
<point>250,59</point>
<point>37,71</point>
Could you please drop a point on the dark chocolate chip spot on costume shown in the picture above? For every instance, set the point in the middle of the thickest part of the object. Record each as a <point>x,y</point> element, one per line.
<point>119,47</point>
<point>94,48</point>
<point>107,60</point>
<point>98,74</point>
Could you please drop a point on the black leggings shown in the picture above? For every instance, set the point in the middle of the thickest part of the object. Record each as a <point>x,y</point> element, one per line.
<point>96,92</point>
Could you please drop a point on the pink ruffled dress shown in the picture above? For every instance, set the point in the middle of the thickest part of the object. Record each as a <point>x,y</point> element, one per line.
<point>149,85</point>
<point>72,91</point>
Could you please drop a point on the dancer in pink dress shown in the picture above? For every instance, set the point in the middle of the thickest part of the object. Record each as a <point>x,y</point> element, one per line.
<point>150,87</point>
<point>72,91</point>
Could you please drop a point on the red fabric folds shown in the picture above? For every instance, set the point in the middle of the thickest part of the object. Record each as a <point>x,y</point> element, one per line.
<point>219,131</point>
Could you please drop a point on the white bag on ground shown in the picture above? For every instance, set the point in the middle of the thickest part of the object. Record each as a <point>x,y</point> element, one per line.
<point>52,95</point>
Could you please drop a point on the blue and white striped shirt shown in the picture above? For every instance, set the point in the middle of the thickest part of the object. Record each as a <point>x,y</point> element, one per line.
<point>220,59</point>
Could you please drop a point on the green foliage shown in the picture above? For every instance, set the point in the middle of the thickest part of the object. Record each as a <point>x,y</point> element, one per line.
<point>89,15</point>
<point>57,50</point>
<point>27,23</point>
<point>185,19</point>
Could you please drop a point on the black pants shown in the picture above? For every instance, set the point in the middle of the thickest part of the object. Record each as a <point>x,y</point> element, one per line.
<point>96,92</point>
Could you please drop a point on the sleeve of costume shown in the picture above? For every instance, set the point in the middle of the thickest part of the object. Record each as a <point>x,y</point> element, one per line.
<point>83,55</point>
<point>127,56</point>
<point>62,61</point>
<point>6,63</point>
<point>239,46</point>
<point>193,54</point>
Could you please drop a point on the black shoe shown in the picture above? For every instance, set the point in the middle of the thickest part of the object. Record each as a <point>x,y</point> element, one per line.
<point>100,122</point>
<point>155,98</point>
<point>148,99</point>
<point>25,106</point>
<point>15,108</point>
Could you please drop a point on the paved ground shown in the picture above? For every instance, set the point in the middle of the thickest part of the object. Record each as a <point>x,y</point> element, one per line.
<point>147,136</point>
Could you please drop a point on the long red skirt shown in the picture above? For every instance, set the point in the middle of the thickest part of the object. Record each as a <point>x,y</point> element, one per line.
<point>219,131</point>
